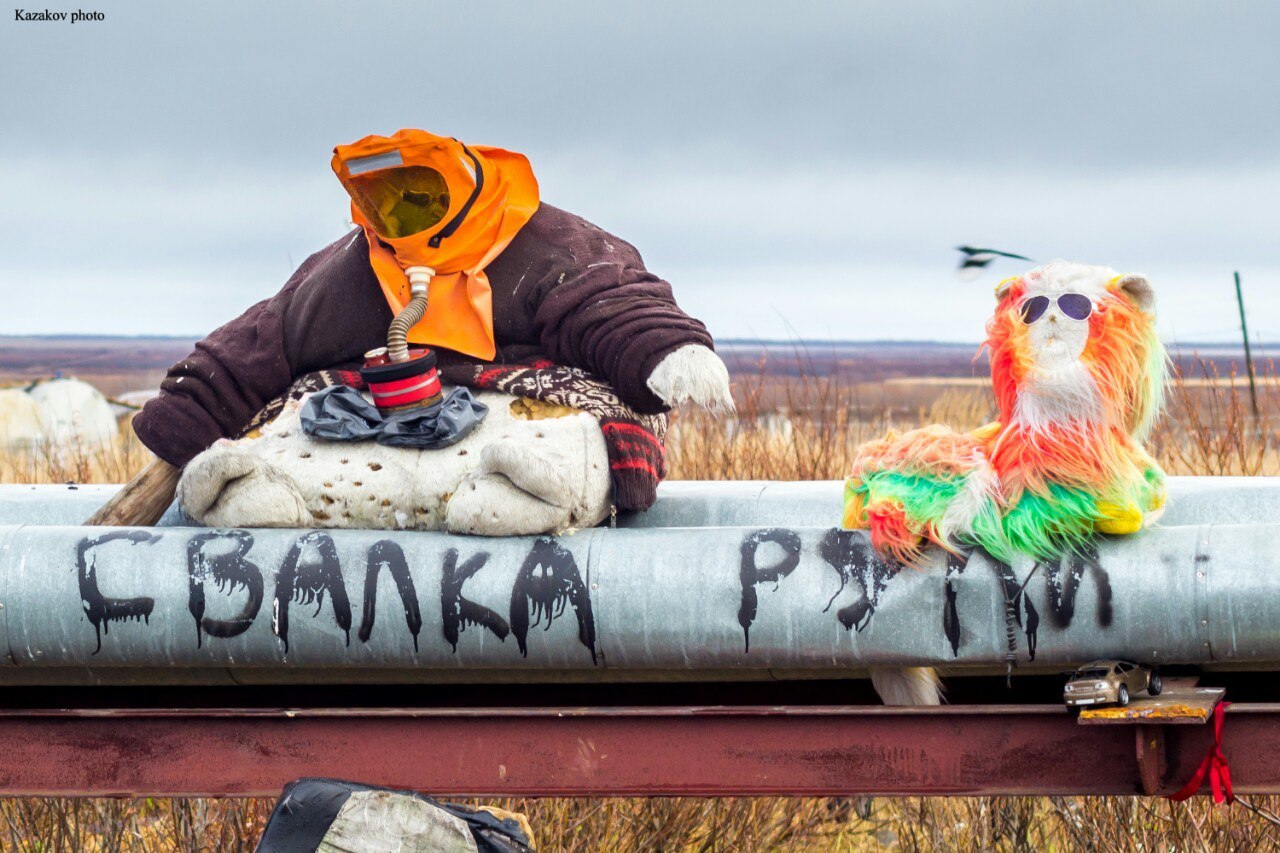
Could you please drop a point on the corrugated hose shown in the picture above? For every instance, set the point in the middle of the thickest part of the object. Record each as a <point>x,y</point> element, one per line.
<point>398,333</point>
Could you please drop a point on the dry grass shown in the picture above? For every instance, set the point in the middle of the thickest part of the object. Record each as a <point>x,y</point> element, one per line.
<point>144,825</point>
<point>805,429</point>
<point>816,425</point>
<point>1211,428</point>
<point>703,824</point>
<point>116,462</point>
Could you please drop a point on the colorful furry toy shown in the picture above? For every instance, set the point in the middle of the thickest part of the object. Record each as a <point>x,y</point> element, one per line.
<point>1079,375</point>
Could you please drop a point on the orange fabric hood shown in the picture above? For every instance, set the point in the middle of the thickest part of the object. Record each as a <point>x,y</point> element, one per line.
<point>427,200</point>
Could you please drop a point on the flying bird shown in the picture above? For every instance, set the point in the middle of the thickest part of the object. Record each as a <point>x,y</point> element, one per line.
<point>976,260</point>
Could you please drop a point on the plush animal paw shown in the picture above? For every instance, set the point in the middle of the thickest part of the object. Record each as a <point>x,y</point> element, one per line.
<point>491,505</point>
<point>228,486</point>
<point>693,373</point>
<point>539,477</point>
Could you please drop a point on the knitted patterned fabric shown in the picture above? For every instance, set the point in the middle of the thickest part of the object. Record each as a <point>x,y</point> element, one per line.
<point>636,442</point>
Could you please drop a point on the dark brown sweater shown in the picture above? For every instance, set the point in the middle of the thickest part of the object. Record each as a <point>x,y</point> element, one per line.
<point>563,288</point>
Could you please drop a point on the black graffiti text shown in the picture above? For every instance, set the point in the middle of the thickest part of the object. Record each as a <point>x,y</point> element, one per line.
<point>457,611</point>
<point>548,582</point>
<point>389,554</point>
<point>230,571</point>
<point>100,609</point>
<point>750,574</point>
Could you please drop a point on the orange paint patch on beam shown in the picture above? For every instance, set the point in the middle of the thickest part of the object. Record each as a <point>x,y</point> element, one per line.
<point>1180,703</point>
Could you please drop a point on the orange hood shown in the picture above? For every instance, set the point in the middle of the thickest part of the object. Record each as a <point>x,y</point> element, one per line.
<point>486,196</point>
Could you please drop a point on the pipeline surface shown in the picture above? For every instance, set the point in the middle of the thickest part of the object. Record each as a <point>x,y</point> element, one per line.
<point>762,599</point>
<point>717,503</point>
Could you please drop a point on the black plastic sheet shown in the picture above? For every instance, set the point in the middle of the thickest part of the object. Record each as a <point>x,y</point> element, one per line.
<point>341,413</point>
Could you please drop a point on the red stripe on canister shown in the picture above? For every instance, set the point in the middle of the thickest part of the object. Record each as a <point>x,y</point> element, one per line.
<point>397,386</point>
<point>404,392</point>
<point>409,383</point>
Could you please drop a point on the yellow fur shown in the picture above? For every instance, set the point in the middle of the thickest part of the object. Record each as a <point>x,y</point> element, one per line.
<point>1118,520</point>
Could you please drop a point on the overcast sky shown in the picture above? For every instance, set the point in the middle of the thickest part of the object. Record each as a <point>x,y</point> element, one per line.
<point>795,170</point>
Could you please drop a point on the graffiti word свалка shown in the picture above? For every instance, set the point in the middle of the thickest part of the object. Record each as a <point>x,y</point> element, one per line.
<point>547,584</point>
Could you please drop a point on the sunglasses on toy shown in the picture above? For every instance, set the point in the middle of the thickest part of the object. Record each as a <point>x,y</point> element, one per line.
<point>1077,306</point>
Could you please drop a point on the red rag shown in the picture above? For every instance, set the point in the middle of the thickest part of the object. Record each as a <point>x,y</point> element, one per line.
<point>1214,766</point>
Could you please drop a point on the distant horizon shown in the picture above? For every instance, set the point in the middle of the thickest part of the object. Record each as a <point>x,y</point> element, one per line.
<point>720,342</point>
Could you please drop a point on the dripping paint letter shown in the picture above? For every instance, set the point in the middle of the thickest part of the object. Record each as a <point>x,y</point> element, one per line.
<point>549,581</point>
<point>102,611</point>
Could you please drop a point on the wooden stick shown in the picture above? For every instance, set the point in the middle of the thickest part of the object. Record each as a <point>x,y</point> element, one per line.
<point>142,500</point>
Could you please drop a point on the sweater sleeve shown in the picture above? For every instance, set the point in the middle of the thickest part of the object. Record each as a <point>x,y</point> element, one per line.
<point>596,307</point>
<point>329,312</point>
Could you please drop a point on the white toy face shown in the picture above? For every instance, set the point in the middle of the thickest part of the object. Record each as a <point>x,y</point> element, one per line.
<point>1048,323</point>
<point>1056,308</point>
<point>1057,335</point>
<point>1074,342</point>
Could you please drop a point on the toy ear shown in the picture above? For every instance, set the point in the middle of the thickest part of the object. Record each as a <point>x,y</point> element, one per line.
<point>1136,288</point>
<point>1003,288</point>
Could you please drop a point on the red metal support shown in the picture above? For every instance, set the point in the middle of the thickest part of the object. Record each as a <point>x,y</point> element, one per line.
<point>825,750</point>
<point>1152,758</point>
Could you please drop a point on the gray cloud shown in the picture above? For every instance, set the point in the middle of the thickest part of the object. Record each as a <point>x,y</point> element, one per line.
<point>799,173</point>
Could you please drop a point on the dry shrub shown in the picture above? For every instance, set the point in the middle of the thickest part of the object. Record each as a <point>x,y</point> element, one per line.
<point>1211,428</point>
<point>113,462</point>
<point>810,432</point>
<point>702,824</point>
<point>792,429</point>
<point>92,825</point>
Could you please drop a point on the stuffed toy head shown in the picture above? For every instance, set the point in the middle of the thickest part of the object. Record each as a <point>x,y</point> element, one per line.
<point>1078,373</point>
<point>1076,343</point>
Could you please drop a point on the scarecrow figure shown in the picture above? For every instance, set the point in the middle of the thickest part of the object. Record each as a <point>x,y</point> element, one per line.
<point>510,294</point>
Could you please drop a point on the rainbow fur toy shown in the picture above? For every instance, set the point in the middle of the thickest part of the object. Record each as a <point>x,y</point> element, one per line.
<point>1079,378</point>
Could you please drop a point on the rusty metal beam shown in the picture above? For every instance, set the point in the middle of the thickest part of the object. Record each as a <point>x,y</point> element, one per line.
<point>757,750</point>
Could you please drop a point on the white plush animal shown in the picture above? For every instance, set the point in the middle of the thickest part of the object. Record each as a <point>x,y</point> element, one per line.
<point>61,414</point>
<point>74,413</point>
<point>508,477</point>
<point>20,424</point>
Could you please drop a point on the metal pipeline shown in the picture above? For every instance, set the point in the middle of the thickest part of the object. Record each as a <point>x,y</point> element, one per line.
<point>86,605</point>
<point>720,503</point>
<point>813,503</point>
<point>398,333</point>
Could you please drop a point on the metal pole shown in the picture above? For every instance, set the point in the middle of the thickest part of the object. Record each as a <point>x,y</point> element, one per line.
<point>1248,355</point>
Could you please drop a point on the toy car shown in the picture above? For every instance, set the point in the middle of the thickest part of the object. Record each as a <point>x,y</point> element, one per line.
<point>1106,681</point>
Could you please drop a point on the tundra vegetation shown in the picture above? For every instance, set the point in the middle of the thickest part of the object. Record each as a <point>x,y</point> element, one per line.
<point>803,425</point>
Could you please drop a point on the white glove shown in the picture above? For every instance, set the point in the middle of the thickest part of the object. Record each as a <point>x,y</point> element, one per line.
<point>695,373</point>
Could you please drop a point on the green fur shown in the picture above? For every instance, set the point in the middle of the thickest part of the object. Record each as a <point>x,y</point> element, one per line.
<point>1153,489</point>
<point>1042,525</point>
<point>989,535</point>
<point>924,499</point>
<point>1045,526</point>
